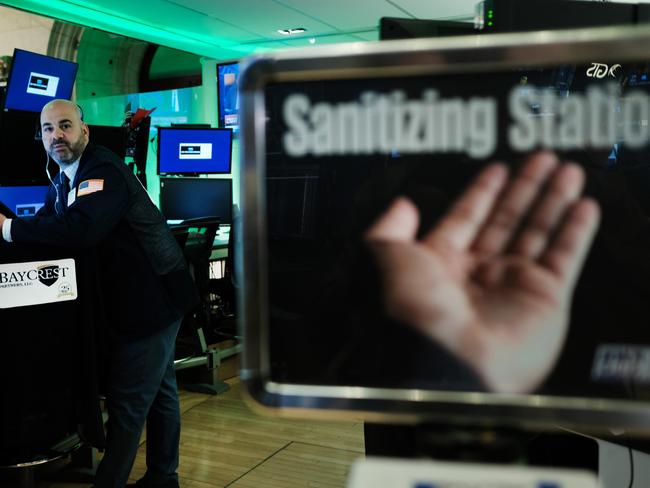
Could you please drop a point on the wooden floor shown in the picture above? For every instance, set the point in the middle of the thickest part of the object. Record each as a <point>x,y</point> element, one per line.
<point>225,444</point>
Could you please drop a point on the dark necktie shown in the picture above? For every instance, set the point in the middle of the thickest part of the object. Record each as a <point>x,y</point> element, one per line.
<point>63,189</point>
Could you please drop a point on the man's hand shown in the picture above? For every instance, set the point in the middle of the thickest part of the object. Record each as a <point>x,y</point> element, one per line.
<point>493,281</point>
<point>2,220</point>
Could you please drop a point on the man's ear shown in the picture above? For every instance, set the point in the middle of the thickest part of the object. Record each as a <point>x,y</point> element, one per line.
<point>86,130</point>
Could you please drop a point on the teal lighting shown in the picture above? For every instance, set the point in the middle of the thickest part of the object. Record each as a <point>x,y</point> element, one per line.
<point>193,39</point>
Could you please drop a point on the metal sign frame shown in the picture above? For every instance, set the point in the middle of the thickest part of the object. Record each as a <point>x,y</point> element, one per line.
<point>470,54</point>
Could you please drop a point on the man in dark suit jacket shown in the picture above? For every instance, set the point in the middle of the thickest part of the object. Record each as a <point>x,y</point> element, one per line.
<point>96,201</point>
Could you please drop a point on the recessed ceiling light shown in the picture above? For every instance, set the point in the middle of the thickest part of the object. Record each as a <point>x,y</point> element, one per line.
<point>289,32</point>
<point>312,40</point>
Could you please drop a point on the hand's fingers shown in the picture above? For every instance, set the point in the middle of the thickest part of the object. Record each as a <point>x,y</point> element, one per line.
<point>462,223</point>
<point>563,191</point>
<point>515,203</point>
<point>566,254</point>
<point>399,223</point>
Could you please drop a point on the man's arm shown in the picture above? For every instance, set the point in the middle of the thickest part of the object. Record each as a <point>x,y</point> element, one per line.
<point>5,227</point>
<point>95,212</point>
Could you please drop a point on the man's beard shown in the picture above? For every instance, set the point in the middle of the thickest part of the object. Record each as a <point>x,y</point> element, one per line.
<point>75,149</point>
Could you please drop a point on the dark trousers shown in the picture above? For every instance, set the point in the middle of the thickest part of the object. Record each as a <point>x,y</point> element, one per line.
<point>142,386</point>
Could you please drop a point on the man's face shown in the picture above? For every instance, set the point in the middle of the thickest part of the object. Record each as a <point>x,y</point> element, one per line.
<point>65,136</point>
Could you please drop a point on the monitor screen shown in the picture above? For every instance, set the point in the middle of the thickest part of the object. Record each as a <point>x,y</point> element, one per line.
<point>398,28</point>
<point>194,151</point>
<point>111,137</point>
<point>190,198</point>
<point>23,200</point>
<point>228,95</point>
<point>18,145</point>
<point>36,79</point>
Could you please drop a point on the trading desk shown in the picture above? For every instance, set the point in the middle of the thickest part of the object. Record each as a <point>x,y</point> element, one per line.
<point>49,311</point>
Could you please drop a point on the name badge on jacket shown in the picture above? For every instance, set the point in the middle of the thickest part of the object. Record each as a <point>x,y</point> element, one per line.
<point>71,197</point>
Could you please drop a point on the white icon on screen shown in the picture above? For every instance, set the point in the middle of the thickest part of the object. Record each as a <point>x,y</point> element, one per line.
<point>41,84</point>
<point>27,209</point>
<point>195,150</point>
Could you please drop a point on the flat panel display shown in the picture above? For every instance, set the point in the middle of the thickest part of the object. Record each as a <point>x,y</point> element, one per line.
<point>111,137</point>
<point>228,95</point>
<point>23,155</point>
<point>24,201</point>
<point>194,151</point>
<point>36,79</point>
<point>190,198</point>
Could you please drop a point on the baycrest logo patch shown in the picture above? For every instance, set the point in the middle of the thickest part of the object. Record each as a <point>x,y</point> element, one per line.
<point>48,275</point>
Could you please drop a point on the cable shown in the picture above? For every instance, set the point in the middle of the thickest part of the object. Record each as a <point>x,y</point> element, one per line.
<point>631,468</point>
<point>47,169</point>
<point>57,203</point>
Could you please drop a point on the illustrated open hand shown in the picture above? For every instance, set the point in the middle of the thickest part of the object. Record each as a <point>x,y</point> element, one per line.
<point>493,281</point>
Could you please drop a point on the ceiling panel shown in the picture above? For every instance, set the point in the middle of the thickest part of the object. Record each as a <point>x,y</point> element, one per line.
<point>262,17</point>
<point>171,16</point>
<point>304,42</point>
<point>371,35</point>
<point>436,9</point>
<point>346,15</point>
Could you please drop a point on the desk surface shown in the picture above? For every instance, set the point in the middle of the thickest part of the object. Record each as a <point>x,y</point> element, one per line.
<point>220,238</point>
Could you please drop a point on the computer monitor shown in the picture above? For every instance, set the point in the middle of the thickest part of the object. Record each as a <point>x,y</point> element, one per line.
<point>22,155</point>
<point>190,198</point>
<point>111,137</point>
<point>36,79</point>
<point>25,201</point>
<point>194,151</point>
<point>399,28</point>
<point>228,94</point>
<point>356,130</point>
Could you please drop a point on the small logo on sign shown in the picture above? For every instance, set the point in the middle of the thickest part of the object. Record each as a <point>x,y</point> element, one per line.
<point>601,70</point>
<point>48,275</point>
<point>65,289</point>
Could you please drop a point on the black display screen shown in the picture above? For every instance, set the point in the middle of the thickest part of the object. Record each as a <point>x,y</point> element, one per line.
<point>338,152</point>
<point>189,198</point>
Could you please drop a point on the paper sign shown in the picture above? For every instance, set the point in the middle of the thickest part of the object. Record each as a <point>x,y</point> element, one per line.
<point>37,282</point>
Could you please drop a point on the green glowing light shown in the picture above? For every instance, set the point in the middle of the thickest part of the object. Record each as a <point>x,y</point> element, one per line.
<point>190,39</point>
<point>490,24</point>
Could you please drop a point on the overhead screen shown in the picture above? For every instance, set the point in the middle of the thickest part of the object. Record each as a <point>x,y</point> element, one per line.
<point>36,79</point>
<point>399,28</point>
<point>194,151</point>
<point>340,143</point>
<point>228,95</point>
<point>190,198</point>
